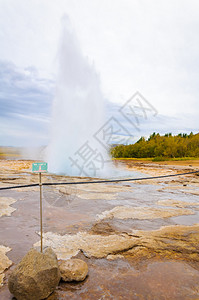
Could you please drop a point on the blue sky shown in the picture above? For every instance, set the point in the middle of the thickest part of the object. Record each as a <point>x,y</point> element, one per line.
<point>146,46</point>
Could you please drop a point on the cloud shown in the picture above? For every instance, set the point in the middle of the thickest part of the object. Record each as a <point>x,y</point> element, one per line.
<point>25,104</point>
<point>150,46</point>
<point>142,124</point>
<point>25,111</point>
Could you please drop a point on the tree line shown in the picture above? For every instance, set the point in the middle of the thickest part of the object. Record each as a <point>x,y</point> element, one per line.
<point>157,146</point>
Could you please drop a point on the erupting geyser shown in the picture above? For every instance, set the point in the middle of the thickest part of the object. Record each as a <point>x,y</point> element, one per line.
<point>78,113</point>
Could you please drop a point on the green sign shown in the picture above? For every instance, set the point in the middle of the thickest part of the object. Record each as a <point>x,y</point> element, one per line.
<point>39,167</point>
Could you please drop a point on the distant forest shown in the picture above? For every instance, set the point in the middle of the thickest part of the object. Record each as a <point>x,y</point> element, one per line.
<point>160,147</point>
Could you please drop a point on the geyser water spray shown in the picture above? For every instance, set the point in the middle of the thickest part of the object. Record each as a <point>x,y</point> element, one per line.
<point>78,113</point>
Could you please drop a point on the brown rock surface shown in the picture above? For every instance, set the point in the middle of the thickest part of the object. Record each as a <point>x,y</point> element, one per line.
<point>142,213</point>
<point>93,245</point>
<point>5,208</point>
<point>169,241</point>
<point>176,203</point>
<point>36,276</point>
<point>73,270</point>
<point>192,192</point>
<point>4,262</point>
<point>176,242</point>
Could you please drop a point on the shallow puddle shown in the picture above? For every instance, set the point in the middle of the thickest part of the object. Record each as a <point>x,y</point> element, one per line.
<point>120,280</point>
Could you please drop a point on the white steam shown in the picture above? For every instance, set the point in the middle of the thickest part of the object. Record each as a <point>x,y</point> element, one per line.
<point>78,112</point>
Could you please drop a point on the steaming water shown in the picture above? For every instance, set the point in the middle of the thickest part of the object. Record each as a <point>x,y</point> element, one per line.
<point>78,112</point>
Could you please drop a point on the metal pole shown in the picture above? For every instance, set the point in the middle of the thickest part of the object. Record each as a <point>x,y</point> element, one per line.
<point>40,186</point>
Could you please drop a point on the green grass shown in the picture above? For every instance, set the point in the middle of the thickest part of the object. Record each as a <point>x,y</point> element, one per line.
<point>157,158</point>
<point>184,158</point>
<point>160,158</point>
<point>133,158</point>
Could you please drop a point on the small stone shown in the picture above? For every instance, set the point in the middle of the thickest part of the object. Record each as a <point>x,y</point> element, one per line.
<point>36,276</point>
<point>73,270</point>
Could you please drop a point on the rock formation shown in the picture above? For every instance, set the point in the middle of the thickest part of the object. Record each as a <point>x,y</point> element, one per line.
<point>36,276</point>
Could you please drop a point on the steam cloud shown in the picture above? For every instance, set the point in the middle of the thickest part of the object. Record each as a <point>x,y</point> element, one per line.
<point>78,108</point>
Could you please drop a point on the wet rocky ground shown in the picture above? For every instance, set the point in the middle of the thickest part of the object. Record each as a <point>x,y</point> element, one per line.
<point>139,239</point>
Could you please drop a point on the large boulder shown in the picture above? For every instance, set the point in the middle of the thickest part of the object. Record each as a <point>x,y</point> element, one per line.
<point>36,276</point>
<point>73,270</point>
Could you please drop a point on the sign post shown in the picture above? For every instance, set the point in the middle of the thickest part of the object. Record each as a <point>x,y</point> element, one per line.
<point>40,168</point>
